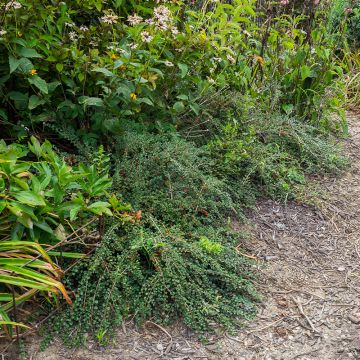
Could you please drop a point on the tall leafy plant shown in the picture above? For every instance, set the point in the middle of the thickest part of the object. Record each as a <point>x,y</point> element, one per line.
<point>42,201</point>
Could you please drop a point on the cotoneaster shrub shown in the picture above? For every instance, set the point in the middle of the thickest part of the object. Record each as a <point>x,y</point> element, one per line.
<point>161,274</point>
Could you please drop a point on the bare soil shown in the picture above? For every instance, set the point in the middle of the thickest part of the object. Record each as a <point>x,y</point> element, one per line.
<point>309,259</point>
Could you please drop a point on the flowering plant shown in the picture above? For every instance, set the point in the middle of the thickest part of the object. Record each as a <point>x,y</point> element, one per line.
<point>98,67</point>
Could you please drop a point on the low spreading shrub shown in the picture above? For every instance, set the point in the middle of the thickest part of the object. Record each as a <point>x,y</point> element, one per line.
<point>159,274</point>
<point>272,154</point>
<point>171,180</point>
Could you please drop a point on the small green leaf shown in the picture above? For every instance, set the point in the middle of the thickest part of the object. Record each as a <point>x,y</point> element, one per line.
<point>179,106</point>
<point>59,67</point>
<point>182,97</point>
<point>183,69</point>
<point>195,108</point>
<point>288,108</point>
<point>100,207</point>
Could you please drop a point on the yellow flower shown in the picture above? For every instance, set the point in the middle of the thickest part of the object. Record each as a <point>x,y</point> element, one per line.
<point>122,67</point>
<point>260,60</point>
<point>133,96</point>
<point>113,57</point>
<point>33,72</point>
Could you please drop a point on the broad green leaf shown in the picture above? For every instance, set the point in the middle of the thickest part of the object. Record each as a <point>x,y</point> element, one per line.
<point>305,72</point>
<point>100,207</point>
<point>35,101</point>
<point>3,115</point>
<point>183,69</point>
<point>35,146</point>
<point>13,63</point>
<point>18,96</point>
<point>53,85</point>
<point>29,53</point>
<point>195,108</point>
<point>182,97</point>
<point>29,198</point>
<point>43,225</point>
<point>145,101</point>
<point>118,63</point>
<point>90,101</point>
<point>39,83</point>
<point>25,220</point>
<point>74,211</point>
<point>104,71</point>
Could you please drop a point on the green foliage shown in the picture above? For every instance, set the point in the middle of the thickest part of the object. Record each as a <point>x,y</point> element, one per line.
<point>95,68</point>
<point>272,154</point>
<point>202,106</point>
<point>42,199</point>
<point>170,179</point>
<point>158,274</point>
<point>344,16</point>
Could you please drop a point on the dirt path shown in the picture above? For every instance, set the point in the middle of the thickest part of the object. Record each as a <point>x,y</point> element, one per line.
<point>311,280</point>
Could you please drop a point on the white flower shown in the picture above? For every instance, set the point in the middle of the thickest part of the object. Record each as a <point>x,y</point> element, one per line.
<point>13,5</point>
<point>231,59</point>
<point>146,37</point>
<point>212,70</point>
<point>174,30</point>
<point>121,51</point>
<point>73,36</point>
<point>149,21</point>
<point>216,59</point>
<point>210,80</point>
<point>109,19</point>
<point>70,25</point>
<point>162,26</point>
<point>84,28</point>
<point>163,17</point>
<point>134,19</point>
<point>3,32</point>
<point>168,63</point>
<point>133,46</point>
<point>162,12</point>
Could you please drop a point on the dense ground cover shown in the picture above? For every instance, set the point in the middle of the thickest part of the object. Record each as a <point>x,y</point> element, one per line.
<point>167,119</point>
